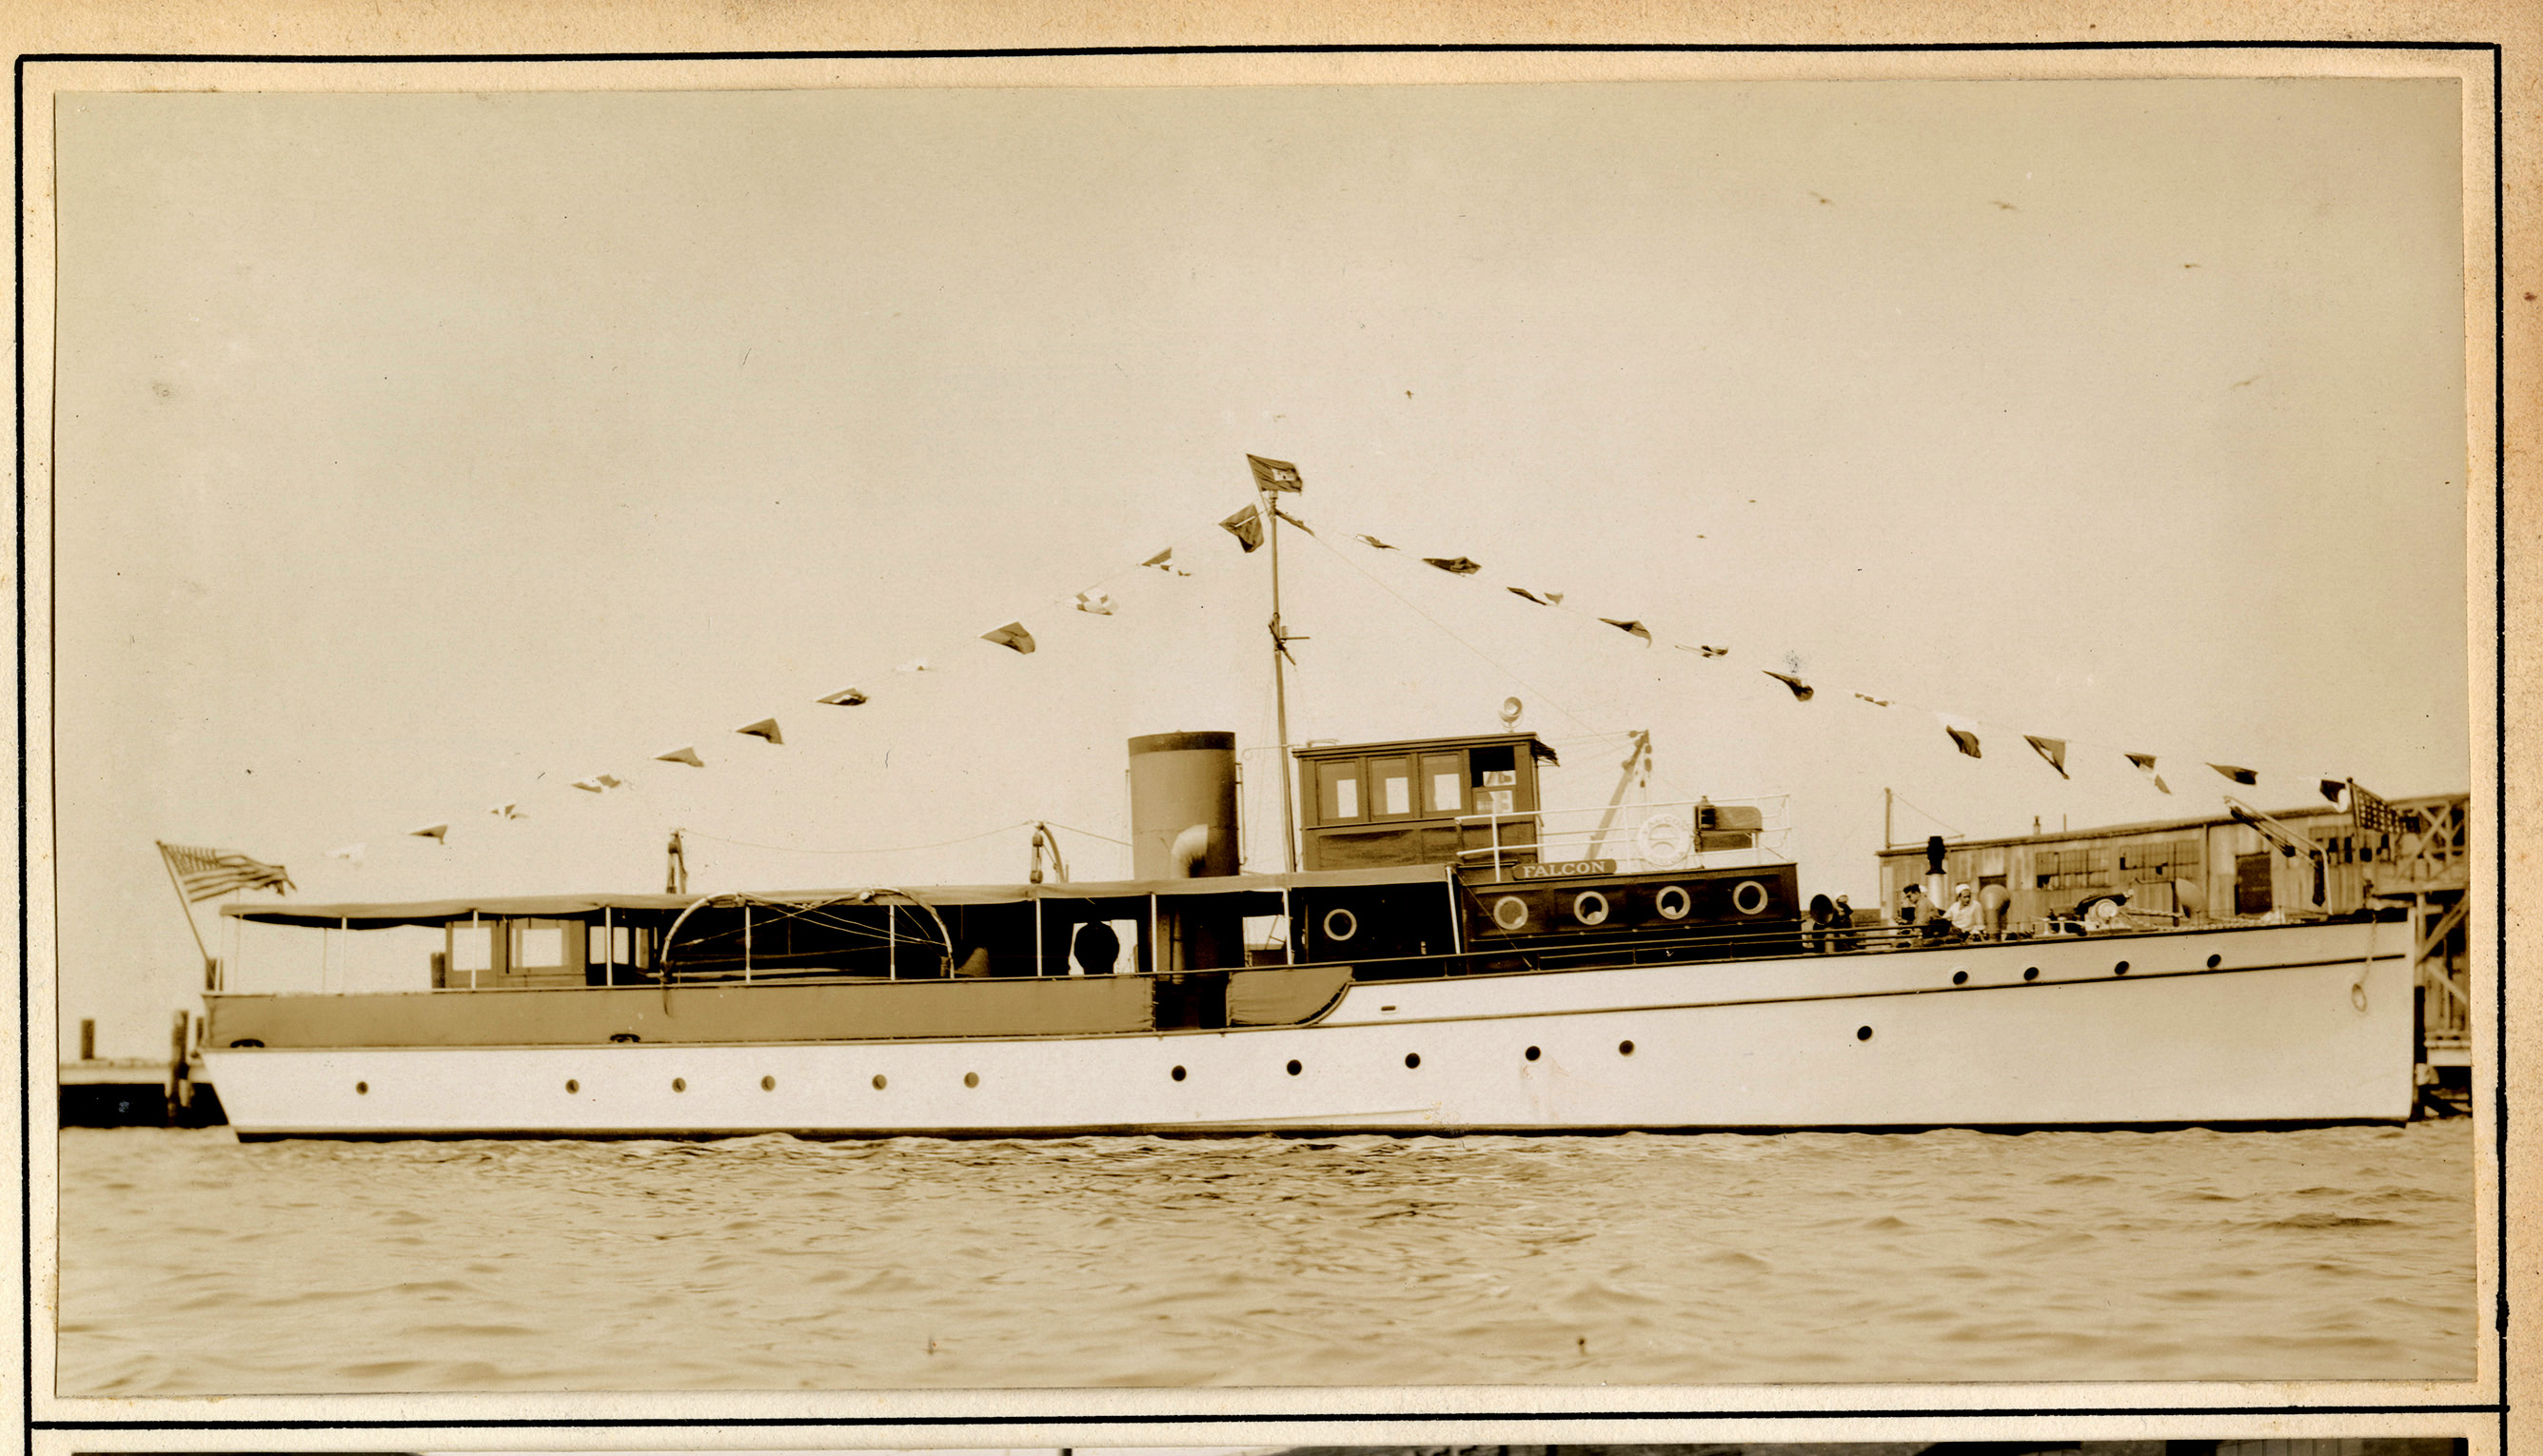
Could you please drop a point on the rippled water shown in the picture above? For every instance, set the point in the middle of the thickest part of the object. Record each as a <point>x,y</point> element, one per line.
<point>194,1264</point>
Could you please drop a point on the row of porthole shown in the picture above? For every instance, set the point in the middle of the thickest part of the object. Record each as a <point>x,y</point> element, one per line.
<point>681,1083</point>
<point>2032,973</point>
<point>1412,1059</point>
<point>1590,907</point>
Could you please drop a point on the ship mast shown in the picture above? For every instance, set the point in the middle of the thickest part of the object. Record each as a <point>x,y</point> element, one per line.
<point>1268,503</point>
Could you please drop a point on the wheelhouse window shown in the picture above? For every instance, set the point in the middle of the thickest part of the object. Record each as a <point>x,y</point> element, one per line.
<point>1337,791</point>
<point>1390,787</point>
<point>1493,773</point>
<point>1444,780</point>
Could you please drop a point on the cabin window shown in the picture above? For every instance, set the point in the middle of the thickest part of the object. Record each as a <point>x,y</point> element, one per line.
<point>611,949</point>
<point>542,946</point>
<point>1390,787</point>
<point>1493,772</point>
<point>472,948</point>
<point>1444,777</point>
<point>2252,888</point>
<point>1337,791</point>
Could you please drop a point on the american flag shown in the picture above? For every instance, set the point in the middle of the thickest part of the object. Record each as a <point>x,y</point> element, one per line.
<point>206,874</point>
<point>2373,815</point>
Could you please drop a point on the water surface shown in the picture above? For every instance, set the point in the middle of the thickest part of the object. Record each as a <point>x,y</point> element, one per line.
<point>192,1264</point>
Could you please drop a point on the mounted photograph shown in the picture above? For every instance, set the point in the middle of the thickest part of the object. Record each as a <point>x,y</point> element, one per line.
<point>898,736</point>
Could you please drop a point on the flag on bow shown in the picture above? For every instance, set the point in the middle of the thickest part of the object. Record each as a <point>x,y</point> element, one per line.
<point>2053,750</point>
<point>205,873</point>
<point>1275,475</point>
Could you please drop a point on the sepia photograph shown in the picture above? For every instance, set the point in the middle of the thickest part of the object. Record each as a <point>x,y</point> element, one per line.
<point>934,735</point>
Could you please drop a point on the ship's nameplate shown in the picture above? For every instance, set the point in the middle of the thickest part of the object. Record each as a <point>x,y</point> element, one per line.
<point>1563,871</point>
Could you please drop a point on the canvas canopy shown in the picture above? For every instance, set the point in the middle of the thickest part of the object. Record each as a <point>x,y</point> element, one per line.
<point>379,916</point>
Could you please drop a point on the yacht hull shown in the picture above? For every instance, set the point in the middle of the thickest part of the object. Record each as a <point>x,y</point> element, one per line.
<point>2292,1023</point>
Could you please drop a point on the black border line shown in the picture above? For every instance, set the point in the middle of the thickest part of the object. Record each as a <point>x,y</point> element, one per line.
<point>2499,368</point>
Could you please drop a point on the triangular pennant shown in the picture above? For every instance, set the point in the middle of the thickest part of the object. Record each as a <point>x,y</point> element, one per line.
<point>2145,765</point>
<point>2242,776</point>
<point>1246,526</point>
<point>1875,702</point>
<point>1163,561</point>
<point>2053,750</point>
<point>1635,629</point>
<point>1455,565</point>
<point>506,811</point>
<point>587,786</point>
<point>1800,690</point>
<point>1530,595</point>
<point>1701,650</point>
<point>1964,740</point>
<point>437,833</point>
<point>767,727</point>
<point>1098,603</point>
<point>1275,475</point>
<point>1556,597</point>
<point>1375,544</point>
<point>685,755</point>
<point>2332,788</point>
<point>609,781</point>
<point>844,698</point>
<point>914,664</point>
<point>1013,635</point>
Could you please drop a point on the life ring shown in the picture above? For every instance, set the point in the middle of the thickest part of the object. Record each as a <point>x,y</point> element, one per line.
<point>1673,902</point>
<point>1664,840</point>
<point>1589,908</point>
<point>1509,912</point>
<point>1341,925</point>
<point>1741,895</point>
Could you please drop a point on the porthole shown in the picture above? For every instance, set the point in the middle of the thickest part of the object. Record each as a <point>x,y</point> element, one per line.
<point>1959,977</point>
<point>2031,973</point>
<point>624,1036</point>
<point>1509,912</point>
<point>2214,962</point>
<point>1673,902</point>
<point>2119,970</point>
<point>245,1041</point>
<point>879,1081</point>
<point>1863,1034</point>
<point>1749,898</point>
<point>1177,1074</point>
<point>679,1084</point>
<point>970,1079</point>
<point>363,1088</point>
<point>1624,1048</point>
<point>572,1085</point>
<point>1296,1069</point>
<point>1413,1058</point>
<point>1589,908</point>
<point>768,1084</point>
<point>1341,925</point>
<point>1534,1054</point>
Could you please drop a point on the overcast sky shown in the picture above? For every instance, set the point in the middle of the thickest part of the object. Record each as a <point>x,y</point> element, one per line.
<point>422,454</point>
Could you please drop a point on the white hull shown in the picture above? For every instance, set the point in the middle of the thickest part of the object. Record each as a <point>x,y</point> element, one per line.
<point>2293,1024</point>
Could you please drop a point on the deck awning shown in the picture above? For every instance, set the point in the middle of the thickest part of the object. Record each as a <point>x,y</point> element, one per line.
<point>381,916</point>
